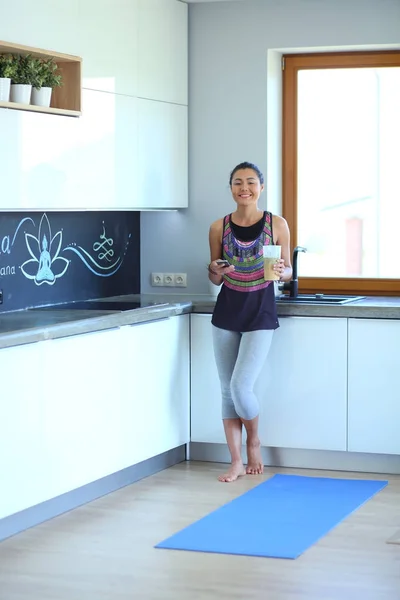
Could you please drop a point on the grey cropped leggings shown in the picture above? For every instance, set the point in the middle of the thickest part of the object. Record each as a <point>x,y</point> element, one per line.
<point>240,358</point>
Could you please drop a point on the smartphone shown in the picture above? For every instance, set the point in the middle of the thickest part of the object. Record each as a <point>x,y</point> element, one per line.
<point>222,263</point>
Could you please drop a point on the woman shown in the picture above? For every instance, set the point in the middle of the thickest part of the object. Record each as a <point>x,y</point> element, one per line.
<point>244,316</point>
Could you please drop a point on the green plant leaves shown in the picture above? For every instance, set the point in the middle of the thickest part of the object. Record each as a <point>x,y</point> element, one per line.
<point>29,70</point>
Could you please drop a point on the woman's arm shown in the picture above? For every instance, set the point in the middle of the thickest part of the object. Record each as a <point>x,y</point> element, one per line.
<point>282,238</point>
<point>215,272</point>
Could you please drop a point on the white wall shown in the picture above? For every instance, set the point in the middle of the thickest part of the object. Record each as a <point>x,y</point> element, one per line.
<point>233,92</point>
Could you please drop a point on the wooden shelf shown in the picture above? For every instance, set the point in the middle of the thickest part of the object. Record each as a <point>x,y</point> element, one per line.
<point>65,100</point>
<point>42,109</point>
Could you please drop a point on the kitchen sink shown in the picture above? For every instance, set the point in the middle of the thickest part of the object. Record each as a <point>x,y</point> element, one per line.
<point>317,299</point>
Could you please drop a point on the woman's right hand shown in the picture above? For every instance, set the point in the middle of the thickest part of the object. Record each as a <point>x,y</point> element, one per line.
<point>220,270</point>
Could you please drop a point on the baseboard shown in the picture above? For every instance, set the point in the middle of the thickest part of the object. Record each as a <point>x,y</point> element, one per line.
<point>35,515</point>
<point>305,459</point>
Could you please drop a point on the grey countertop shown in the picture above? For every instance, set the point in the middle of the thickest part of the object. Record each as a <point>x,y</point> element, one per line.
<point>27,326</point>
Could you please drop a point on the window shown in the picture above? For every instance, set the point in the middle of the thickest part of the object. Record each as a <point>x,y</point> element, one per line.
<point>341,169</point>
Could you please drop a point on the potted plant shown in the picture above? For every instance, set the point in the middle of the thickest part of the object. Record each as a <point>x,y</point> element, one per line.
<point>8,67</point>
<point>21,86</point>
<point>44,79</point>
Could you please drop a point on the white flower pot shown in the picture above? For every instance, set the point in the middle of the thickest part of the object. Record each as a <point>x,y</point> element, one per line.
<point>21,93</point>
<point>5,84</point>
<point>41,97</point>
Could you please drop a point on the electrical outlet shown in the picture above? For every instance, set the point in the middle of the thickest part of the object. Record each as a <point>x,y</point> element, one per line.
<point>180,280</point>
<point>169,279</point>
<point>157,279</point>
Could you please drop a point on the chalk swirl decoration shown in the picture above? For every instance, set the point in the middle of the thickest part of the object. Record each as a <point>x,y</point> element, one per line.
<point>46,265</point>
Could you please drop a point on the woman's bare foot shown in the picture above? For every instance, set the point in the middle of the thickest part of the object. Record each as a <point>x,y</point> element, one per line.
<point>254,459</point>
<point>236,470</point>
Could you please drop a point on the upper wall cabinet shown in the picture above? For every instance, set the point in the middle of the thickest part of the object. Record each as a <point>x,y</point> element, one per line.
<point>88,162</point>
<point>132,47</point>
<point>107,38</point>
<point>136,47</point>
<point>162,155</point>
<point>123,153</point>
<point>129,148</point>
<point>163,50</point>
<point>49,24</point>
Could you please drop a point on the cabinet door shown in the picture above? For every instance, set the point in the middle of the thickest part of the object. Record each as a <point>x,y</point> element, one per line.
<point>303,387</point>
<point>76,409</point>
<point>155,391</point>
<point>59,417</point>
<point>374,398</point>
<point>122,153</point>
<point>22,453</point>
<point>43,28</point>
<point>163,50</point>
<point>206,422</point>
<point>301,390</point>
<point>88,163</point>
<point>80,409</point>
<point>162,174</point>
<point>97,155</point>
<point>106,36</point>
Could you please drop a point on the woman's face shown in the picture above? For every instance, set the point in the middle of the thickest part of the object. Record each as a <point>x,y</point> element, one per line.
<point>246,187</point>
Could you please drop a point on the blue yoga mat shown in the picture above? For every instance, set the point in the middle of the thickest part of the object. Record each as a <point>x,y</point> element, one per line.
<point>279,518</point>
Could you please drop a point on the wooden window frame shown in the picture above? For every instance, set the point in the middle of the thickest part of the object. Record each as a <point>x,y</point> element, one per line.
<point>292,64</point>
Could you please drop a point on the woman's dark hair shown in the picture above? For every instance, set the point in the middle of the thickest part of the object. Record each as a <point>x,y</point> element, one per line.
<point>247,165</point>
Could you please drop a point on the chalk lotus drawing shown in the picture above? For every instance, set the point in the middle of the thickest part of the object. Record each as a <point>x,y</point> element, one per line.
<point>45,266</point>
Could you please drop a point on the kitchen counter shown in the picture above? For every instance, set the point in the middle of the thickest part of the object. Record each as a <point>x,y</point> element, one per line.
<point>34,325</point>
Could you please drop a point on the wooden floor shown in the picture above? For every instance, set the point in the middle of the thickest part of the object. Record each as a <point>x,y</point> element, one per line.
<point>104,550</point>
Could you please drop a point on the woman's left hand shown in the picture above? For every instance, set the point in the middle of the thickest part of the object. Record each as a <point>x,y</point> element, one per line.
<point>279,267</point>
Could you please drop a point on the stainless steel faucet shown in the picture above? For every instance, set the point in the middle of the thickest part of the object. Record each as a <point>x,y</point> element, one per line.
<point>293,285</point>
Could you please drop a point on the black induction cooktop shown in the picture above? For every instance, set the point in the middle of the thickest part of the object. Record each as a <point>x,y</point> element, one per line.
<point>95,305</point>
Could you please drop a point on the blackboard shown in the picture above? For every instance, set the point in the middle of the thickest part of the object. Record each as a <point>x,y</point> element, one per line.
<point>54,257</point>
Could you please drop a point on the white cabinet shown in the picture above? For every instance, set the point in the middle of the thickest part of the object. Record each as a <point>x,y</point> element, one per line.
<point>133,47</point>
<point>106,36</point>
<point>129,149</point>
<point>89,162</point>
<point>52,25</point>
<point>154,375</point>
<point>75,409</point>
<point>123,152</point>
<point>302,389</point>
<point>22,448</point>
<point>206,422</point>
<point>59,416</point>
<point>162,168</point>
<point>163,50</point>
<point>374,397</point>
<point>80,409</point>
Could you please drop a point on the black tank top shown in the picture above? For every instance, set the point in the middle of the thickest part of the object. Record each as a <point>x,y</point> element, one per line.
<point>246,302</point>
